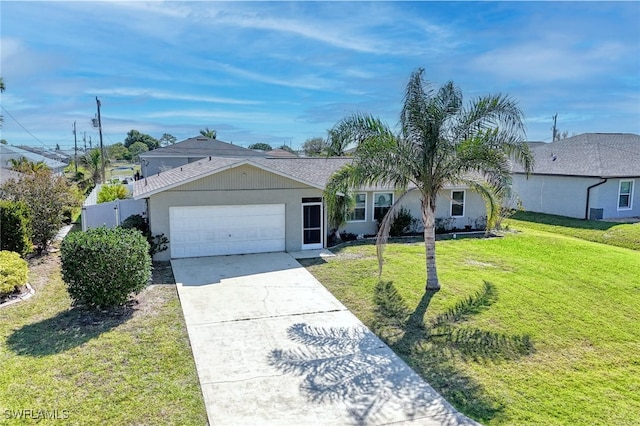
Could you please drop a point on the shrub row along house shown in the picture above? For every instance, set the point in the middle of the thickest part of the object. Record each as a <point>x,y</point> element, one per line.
<point>224,199</point>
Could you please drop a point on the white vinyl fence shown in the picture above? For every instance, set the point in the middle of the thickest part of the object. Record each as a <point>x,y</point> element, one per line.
<point>110,214</point>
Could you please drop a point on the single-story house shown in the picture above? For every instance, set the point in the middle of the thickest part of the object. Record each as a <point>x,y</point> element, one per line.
<point>8,153</point>
<point>232,205</point>
<point>188,151</point>
<point>588,176</point>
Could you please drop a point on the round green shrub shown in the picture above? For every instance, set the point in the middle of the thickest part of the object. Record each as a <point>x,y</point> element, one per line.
<point>13,271</point>
<point>15,227</point>
<point>104,267</point>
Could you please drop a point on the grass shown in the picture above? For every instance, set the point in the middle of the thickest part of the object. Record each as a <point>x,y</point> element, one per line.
<point>130,365</point>
<point>625,235</point>
<point>532,328</point>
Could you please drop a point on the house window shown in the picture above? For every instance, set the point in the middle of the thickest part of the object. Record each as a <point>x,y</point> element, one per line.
<point>382,202</point>
<point>625,195</point>
<point>359,212</point>
<point>457,203</point>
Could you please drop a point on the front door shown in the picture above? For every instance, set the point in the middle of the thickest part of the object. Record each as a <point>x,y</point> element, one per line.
<point>311,226</point>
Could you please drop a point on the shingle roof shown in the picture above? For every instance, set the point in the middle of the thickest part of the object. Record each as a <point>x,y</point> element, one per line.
<point>202,147</point>
<point>312,171</point>
<point>588,154</point>
<point>8,152</point>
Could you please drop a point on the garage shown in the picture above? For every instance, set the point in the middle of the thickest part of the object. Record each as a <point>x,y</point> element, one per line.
<point>220,230</point>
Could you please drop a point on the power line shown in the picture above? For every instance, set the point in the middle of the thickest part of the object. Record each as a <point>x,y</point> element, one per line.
<point>23,128</point>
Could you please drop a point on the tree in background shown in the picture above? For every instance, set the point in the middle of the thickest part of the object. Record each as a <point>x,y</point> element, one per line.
<point>209,133</point>
<point>440,141</point>
<point>314,147</point>
<point>136,149</point>
<point>3,141</point>
<point>47,196</point>
<point>167,139</point>
<point>112,192</point>
<point>261,146</point>
<point>337,142</point>
<point>118,151</point>
<point>135,136</point>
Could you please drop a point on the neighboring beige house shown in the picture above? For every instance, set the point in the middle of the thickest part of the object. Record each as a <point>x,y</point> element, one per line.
<point>225,205</point>
<point>588,176</point>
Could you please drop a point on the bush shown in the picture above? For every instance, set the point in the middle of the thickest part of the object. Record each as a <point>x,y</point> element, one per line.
<point>15,227</point>
<point>401,223</point>
<point>103,267</point>
<point>13,271</point>
<point>112,192</point>
<point>157,243</point>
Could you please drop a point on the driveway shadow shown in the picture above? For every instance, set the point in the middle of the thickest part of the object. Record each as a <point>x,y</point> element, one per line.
<point>352,366</point>
<point>435,349</point>
<point>66,330</point>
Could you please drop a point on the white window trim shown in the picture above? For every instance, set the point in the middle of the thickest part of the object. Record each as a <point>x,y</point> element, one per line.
<point>464,202</point>
<point>365,208</point>
<point>373,203</point>
<point>633,186</point>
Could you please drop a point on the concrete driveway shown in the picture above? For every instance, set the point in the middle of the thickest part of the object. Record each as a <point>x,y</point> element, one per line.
<point>273,347</point>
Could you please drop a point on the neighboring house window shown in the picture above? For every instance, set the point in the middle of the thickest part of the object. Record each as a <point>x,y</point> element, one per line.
<point>457,203</point>
<point>625,195</point>
<point>359,213</point>
<point>382,202</point>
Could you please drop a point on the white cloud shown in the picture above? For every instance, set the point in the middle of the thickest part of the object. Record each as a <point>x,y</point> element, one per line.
<point>158,94</point>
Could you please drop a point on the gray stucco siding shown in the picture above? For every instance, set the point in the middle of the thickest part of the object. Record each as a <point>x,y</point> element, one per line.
<point>559,195</point>
<point>153,165</point>
<point>605,196</point>
<point>567,195</point>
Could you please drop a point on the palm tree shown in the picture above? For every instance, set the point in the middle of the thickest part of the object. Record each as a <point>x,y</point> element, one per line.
<point>23,165</point>
<point>440,141</point>
<point>92,161</point>
<point>209,133</point>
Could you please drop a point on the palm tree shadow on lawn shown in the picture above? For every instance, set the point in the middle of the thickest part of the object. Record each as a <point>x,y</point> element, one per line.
<point>432,349</point>
<point>67,330</point>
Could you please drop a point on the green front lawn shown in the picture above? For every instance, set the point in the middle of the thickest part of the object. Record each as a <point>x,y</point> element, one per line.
<point>532,328</point>
<point>128,366</point>
<point>625,235</point>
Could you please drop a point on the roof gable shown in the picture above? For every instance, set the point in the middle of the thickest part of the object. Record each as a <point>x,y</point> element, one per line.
<point>202,147</point>
<point>313,172</point>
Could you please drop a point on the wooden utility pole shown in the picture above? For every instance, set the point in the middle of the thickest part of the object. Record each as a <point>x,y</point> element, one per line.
<point>555,129</point>
<point>84,140</point>
<point>75,146</point>
<point>101,146</point>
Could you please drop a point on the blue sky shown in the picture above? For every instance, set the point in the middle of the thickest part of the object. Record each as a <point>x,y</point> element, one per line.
<point>284,72</point>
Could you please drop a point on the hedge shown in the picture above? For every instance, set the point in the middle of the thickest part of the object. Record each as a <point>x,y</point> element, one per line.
<point>14,271</point>
<point>15,227</point>
<point>104,267</point>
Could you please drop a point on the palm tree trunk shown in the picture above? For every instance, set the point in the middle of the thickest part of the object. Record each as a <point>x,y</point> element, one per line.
<point>429,220</point>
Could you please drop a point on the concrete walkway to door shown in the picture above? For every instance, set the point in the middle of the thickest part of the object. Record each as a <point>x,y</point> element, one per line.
<point>273,347</point>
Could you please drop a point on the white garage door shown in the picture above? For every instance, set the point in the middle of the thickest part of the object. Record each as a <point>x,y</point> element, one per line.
<point>218,230</point>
